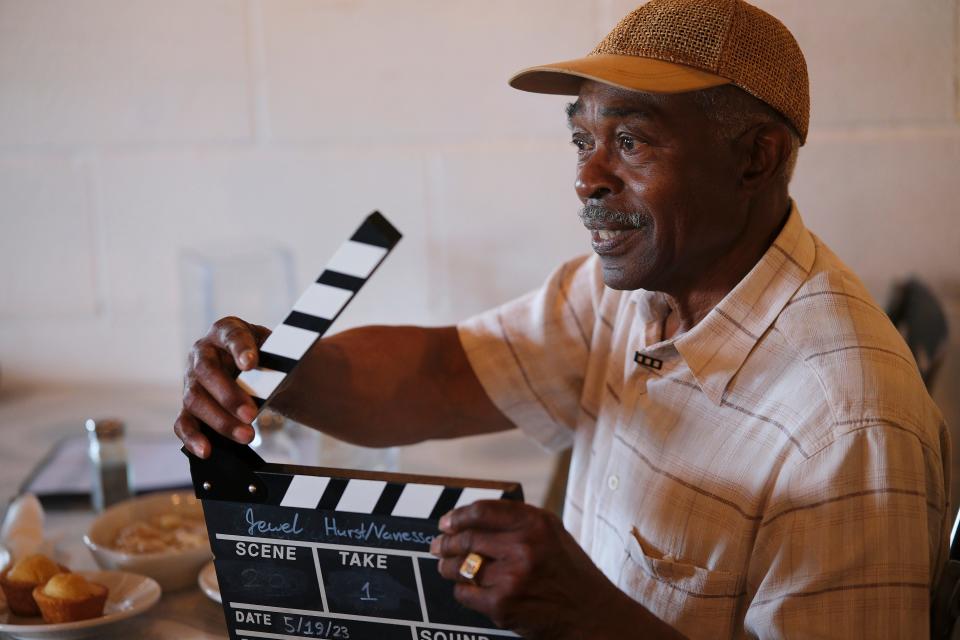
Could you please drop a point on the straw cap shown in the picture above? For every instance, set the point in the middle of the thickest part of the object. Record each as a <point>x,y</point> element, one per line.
<point>674,46</point>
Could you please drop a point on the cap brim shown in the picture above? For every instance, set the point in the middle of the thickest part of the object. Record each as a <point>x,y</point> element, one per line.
<point>627,72</point>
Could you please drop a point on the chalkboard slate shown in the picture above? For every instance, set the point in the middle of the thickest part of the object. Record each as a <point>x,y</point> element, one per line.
<point>305,552</point>
<point>310,552</point>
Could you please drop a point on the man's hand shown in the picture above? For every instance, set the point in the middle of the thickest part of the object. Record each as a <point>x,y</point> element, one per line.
<point>210,390</point>
<point>535,579</point>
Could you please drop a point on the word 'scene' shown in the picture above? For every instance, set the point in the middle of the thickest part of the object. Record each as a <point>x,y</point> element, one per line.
<point>265,551</point>
<point>368,560</point>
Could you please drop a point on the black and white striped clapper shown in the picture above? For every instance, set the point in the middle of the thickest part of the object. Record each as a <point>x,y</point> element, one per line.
<point>307,552</point>
<point>320,305</point>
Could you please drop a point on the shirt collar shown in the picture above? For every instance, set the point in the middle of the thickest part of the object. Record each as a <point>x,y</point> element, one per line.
<point>716,348</point>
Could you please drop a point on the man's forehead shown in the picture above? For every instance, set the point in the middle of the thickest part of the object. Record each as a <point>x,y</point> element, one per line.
<point>609,101</point>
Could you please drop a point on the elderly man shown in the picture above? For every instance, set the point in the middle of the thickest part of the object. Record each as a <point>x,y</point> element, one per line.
<point>754,453</point>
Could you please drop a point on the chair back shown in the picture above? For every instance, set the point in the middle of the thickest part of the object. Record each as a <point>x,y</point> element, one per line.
<point>917,313</point>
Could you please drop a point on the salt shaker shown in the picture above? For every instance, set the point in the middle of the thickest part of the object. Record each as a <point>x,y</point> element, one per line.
<point>108,459</point>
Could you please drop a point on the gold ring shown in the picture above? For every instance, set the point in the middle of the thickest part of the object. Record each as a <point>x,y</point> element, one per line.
<point>471,566</point>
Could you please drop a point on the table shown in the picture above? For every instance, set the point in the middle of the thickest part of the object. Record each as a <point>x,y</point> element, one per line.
<point>186,614</point>
<point>32,419</point>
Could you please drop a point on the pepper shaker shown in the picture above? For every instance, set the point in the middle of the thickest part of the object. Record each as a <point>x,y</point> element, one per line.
<point>108,460</point>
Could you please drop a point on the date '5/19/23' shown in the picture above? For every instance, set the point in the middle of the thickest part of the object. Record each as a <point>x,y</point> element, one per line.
<point>296,624</point>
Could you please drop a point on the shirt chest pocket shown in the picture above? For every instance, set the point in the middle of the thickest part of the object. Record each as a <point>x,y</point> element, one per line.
<point>699,602</point>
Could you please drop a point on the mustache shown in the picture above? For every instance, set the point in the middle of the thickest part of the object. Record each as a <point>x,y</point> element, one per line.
<point>599,213</point>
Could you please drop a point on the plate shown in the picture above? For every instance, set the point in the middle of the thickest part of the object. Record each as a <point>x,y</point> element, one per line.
<point>130,595</point>
<point>208,583</point>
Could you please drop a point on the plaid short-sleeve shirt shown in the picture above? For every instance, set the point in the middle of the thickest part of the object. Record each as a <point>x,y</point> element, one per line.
<point>776,471</point>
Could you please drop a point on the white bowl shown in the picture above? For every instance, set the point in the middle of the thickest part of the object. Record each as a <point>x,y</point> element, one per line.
<point>171,569</point>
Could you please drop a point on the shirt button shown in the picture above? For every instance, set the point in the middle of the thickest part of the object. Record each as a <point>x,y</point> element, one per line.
<point>613,482</point>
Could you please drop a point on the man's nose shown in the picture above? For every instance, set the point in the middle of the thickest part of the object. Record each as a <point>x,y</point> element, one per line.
<point>596,177</point>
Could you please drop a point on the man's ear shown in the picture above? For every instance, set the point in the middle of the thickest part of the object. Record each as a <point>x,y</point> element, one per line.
<point>765,152</point>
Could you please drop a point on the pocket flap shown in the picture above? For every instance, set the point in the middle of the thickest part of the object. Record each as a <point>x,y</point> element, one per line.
<point>686,577</point>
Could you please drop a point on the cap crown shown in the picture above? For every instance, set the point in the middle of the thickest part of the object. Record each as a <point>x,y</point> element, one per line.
<point>730,38</point>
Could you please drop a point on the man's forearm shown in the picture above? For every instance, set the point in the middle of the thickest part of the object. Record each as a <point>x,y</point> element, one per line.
<point>625,618</point>
<point>383,386</point>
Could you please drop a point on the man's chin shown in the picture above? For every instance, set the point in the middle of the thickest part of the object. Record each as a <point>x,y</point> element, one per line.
<point>630,269</point>
<point>615,277</point>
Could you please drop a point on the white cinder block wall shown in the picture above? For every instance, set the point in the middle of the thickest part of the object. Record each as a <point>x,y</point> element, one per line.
<point>131,130</point>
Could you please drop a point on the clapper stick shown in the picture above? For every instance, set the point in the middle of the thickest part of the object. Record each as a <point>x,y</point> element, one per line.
<point>321,304</point>
<point>229,470</point>
<point>310,552</point>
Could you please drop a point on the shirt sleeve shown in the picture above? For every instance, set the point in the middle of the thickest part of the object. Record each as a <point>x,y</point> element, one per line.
<point>852,540</point>
<point>531,354</point>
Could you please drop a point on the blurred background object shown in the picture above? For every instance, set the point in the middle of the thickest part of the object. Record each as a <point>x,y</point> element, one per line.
<point>134,132</point>
<point>256,284</point>
<point>916,312</point>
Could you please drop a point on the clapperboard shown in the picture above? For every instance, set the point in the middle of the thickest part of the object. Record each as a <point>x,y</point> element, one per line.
<point>309,552</point>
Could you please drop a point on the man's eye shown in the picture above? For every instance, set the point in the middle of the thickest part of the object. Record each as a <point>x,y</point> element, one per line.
<point>627,143</point>
<point>579,143</point>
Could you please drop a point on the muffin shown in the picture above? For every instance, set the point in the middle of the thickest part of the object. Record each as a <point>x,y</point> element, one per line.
<point>68,597</point>
<point>19,581</point>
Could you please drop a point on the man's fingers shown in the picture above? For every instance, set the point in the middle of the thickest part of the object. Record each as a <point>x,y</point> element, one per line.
<point>239,339</point>
<point>188,431</point>
<point>487,544</point>
<point>260,333</point>
<point>492,547</point>
<point>208,372</point>
<point>449,568</point>
<point>494,515</point>
<point>201,405</point>
<point>451,544</point>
